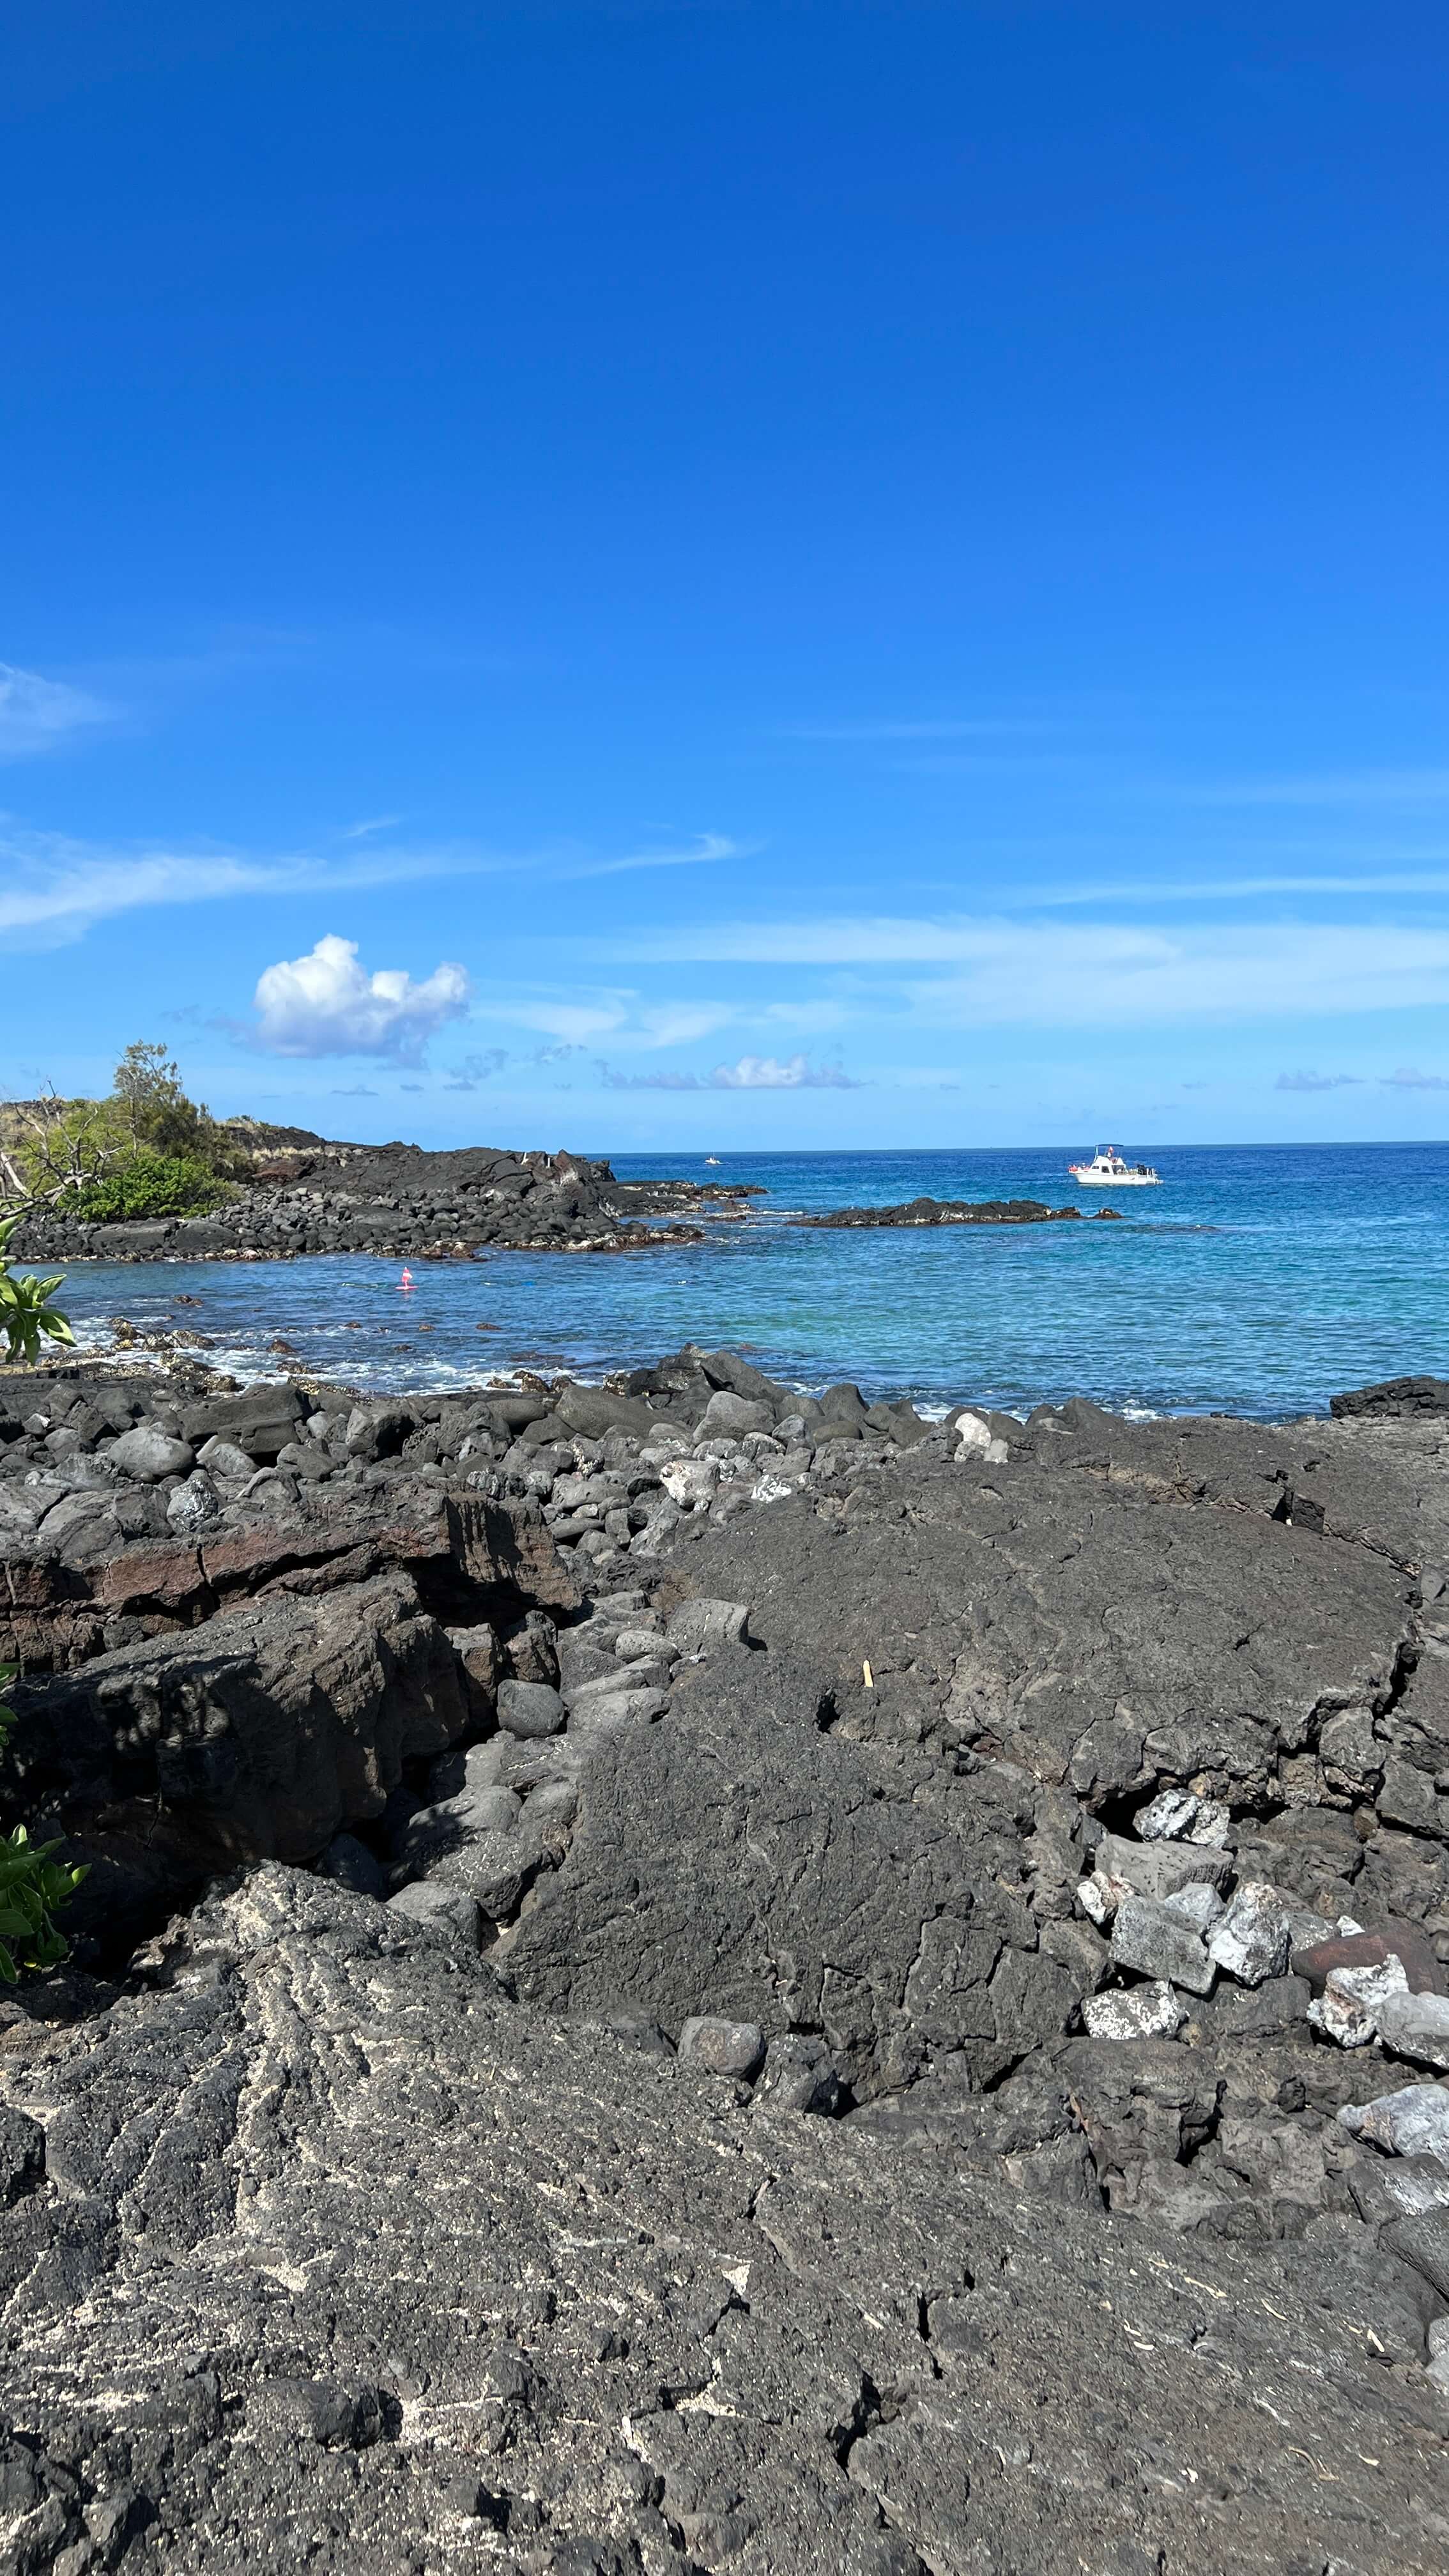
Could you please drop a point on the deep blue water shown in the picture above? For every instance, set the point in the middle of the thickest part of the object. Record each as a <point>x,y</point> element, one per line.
<point>1256,1280</point>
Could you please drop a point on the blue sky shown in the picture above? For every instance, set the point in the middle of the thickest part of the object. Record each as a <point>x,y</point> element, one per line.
<point>738,575</point>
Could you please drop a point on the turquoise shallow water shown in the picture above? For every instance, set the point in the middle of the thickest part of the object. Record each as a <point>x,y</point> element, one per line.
<point>1256,1280</point>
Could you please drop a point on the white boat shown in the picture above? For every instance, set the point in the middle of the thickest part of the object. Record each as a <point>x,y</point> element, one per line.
<point>1107,1170</point>
<point>712,1162</point>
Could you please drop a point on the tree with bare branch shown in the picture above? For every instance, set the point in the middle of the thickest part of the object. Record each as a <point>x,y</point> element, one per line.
<point>52,1149</point>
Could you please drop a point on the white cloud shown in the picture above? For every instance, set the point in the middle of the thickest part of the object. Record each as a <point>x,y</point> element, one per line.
<point>1409,1078</point>
<point>327,1004</point>
<point>751,1073</point>
<point>1304,1082</point>
<point>36,715</point>
<point>766,1073</point>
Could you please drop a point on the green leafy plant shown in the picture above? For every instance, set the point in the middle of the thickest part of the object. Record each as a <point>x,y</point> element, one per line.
<point>33,1887</point>
<point>150,1185</point>
<point>26,1313</point>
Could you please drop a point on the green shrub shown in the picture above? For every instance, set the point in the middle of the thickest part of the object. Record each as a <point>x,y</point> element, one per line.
<point>33,1888</point>
<point>151,1185</point>
<point>150,1101</point>
<point>25,1308</point>
<point>165,1155</point>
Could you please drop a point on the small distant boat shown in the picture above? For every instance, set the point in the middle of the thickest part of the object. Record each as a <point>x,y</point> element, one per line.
<point>1107,1170</point>
<point>712,1162</point>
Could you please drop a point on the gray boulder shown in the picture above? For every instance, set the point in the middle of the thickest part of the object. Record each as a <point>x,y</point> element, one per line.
<point>1255,1935</point>
<point>723,2047</point>
<point>1134,2013</point>
<point>594,1411</point>
<point>260,1421</point>
<point>700,1627</point>
<point>1416,2026</point>
<point>83,1530</point>
<point>194,1506</point>
<point>376,1431</point>
<point>149,1455</point>
<point>729,1417</point>
<point>1413,2121</point>
<point>597,1713</point>
<point>223,1458</point>
<point>529,1709</point>
<point>1154,1942</point>
<point>450,1911</point>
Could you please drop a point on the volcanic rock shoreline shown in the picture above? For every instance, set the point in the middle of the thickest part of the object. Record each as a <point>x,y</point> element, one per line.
<point>405,1203</point>
<point>948,1212</point>
<point>681,1976</point>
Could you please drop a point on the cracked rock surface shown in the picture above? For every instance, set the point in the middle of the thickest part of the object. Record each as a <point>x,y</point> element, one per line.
<point>684,1975</point>
<point>341,2259</point>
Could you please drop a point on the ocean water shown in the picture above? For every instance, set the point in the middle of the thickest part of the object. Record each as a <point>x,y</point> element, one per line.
<point>1257,1280</point>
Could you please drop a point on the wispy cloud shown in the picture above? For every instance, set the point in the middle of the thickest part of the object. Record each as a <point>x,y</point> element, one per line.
<point>575,1021</point>
<point>353,1091</point>
<point>1330,787</point>
<point>1432,881</point>
<point>327,1004</point>
<point>38,715</point>
<point>927,729</point>
<point>706,851</point>
<point>1316,1081</point>
<point>993,972</point>
<point>54,889</point>
<point>584,1016</point>
<point>682,1023</point>
<point>751,1073</point>
<point>813,1018</point>
<point>1409,1078</point>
